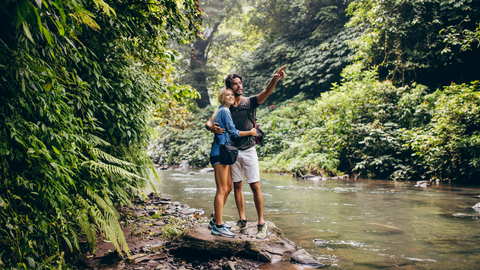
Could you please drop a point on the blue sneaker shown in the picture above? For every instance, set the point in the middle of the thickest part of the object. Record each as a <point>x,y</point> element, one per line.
<point>222,231</point>
<point>212,223</point>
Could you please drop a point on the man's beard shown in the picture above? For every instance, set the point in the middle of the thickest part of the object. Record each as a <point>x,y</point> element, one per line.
<point>236,94</point>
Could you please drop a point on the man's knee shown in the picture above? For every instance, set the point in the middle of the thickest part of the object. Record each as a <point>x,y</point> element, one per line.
<point>238,185</point>
<point>256,187</point>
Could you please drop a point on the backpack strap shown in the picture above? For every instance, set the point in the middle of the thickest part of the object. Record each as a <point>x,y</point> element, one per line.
<point>252,118</point>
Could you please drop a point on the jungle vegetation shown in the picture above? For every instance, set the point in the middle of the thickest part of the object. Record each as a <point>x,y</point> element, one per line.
<point>382,89</point>
<point>79,83</point>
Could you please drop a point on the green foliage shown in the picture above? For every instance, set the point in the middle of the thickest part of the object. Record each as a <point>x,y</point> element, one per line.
<point>174,144</point>
<point>377,130</point>
<point>449,145</point>
<point>173,227</point>
<point>405,108</point>
<point>281,151</point>
<point>196,67</point>
<point>429,42</point>
<point>313,44</point>
<point>78,81</point>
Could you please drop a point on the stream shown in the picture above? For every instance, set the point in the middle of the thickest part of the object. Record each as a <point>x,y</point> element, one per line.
<point>354,224</point>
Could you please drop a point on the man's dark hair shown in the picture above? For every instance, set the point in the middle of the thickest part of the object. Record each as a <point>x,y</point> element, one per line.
<point>229,79</point>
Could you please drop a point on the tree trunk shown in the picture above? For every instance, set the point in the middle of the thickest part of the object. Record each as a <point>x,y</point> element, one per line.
<point>198,66</point>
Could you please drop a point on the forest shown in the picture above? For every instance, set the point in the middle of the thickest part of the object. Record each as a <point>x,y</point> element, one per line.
<point>93,91</point>
<point>380,89</point>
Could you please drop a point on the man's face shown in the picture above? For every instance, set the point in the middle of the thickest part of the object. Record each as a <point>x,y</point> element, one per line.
<point>237,86</point>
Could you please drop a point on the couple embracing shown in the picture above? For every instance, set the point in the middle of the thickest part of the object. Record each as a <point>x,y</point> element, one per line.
<point>234,121</point>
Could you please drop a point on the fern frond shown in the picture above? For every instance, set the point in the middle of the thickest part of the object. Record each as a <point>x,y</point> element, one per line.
<point>76,243</point>
<point>112,230</point>
<point>111,169</point>
<point>109,158</point>
<point>89,229</point>
<point>98,141</point>
<point>154,172</point>
<point>107,207</point>
<point>69,244</point>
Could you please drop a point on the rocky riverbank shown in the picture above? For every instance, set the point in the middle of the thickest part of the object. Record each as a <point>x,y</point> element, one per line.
<point>162,234</point>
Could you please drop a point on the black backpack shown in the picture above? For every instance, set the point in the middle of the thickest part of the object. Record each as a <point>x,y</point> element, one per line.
<point>260,133</point>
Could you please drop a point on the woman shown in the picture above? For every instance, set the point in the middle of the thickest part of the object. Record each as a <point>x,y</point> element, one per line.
<point>223,177</point>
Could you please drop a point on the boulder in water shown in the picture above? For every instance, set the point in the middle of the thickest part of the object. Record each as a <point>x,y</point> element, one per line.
<point>314,178</point>
<point>303,257</point>
<point>198,241</point>
<point>206,170</point>
<point>184,164</point>
<point>423,184</point>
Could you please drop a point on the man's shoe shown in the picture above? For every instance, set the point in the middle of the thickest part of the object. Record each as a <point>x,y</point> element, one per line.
<point>212,223</point>
<point>240,225</point>
<point>222,231</point>
<point>262,231</point>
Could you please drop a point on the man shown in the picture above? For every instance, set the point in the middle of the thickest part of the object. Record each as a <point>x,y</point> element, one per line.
<point>243,114</point>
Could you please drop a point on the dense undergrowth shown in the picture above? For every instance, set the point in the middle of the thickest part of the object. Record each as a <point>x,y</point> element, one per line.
<point>361,126</point>
<point>78,81</point>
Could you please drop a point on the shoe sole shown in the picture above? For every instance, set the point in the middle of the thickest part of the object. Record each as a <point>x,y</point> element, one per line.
<point>234,230</point>
<point>231,236</point>
<point>210,227</point>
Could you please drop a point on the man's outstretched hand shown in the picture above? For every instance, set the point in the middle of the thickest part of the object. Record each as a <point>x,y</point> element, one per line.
<point>280,74</point>
<point>217,129</point>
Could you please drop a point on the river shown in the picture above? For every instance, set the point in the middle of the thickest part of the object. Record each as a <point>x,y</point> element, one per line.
<point>355,224</point>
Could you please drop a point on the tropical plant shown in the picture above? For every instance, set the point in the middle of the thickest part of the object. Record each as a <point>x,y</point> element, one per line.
<point>429,42</point>
<point>78,82</point>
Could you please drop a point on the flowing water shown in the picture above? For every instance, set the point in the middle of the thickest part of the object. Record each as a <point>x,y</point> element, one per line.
<point>355,224</point>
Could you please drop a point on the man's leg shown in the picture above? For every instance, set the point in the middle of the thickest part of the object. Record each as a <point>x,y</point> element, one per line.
<point>258,199</point>
<point>239,199</point>
<point>237,179</point>
<point>252,173</point>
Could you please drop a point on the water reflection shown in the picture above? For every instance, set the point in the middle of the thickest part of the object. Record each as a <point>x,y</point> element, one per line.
<point>364,224</point>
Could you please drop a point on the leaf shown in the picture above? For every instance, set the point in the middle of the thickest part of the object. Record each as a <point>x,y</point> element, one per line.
<point>60,28</point>
<point>27,32</point>
<point>47,35</point>
<point>39,68</point>
<point>55,150</point>
<point>48,85</point>
<point>31,262</point>
<point>59,6</point>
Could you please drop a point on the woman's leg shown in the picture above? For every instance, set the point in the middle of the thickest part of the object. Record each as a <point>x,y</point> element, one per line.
<point>224,187</point>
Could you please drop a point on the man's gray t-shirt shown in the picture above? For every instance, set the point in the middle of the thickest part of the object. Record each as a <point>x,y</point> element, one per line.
<point>243,121</point>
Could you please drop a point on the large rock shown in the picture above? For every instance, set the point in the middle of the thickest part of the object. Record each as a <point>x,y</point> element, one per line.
<point>303,257</point>
<point>184,164</point>
<point>207,170</point>
<point>198,241</point>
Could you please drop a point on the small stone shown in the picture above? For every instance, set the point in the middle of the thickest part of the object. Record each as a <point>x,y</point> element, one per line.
<point>229,266</point>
